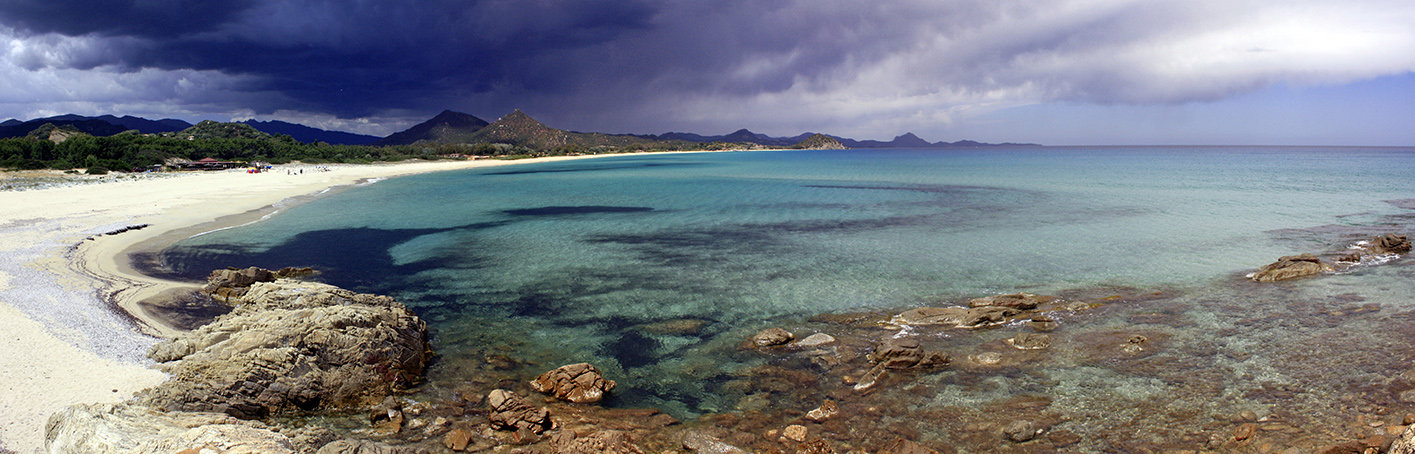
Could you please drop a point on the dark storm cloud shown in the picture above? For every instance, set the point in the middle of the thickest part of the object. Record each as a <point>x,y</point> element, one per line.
<point>353,58</point>
<point>780,66</point>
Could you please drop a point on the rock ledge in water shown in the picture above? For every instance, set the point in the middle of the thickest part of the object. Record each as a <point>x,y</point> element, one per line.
<point>1290,267</point>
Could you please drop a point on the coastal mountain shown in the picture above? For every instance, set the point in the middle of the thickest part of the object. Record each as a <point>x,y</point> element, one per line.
<point>819,142</point>
<point>105,125</point>
<point>907,140</point>
<point>310,135</point>
<point>519,129</point>
<point>446,127</point>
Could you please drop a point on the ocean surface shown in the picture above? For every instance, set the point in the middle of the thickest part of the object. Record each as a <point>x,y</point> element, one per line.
<point>656,268</point>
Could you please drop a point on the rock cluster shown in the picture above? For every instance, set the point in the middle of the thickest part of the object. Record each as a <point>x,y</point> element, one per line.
<point>579,383</point>
<point>1306,264</point>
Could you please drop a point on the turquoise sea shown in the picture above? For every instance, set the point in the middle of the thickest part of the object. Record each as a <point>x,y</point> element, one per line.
<point>656,268</point>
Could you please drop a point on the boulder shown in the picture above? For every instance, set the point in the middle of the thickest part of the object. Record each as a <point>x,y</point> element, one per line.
<point>899,353</point>
<point>579,383</point>
<point>134,429</point>
<point>815,340</point>
<point>1405,444</point>
<point>1290,267</point>
<point>511,412</point>
<point>771,337</point>
<point>291,346</point>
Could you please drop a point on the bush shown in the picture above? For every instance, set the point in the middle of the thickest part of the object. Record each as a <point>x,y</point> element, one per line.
<point>97,170</point>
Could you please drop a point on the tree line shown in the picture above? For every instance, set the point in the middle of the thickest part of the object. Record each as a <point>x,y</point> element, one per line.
<point>132,151</point>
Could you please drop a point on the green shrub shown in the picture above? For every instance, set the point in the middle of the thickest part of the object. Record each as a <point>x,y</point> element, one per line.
<point>97,170</point>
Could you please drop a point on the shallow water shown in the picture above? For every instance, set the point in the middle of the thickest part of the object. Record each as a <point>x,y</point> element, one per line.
<point>656,268</point>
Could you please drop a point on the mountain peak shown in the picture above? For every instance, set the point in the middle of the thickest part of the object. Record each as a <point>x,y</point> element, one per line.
<point>446,127</point>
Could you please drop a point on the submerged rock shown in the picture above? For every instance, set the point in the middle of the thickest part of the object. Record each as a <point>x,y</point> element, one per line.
<point>579,383</point>
<point>602,442</point>
<point>1023,301</point>
<point>700,442</point>
<point>1290,267</point>
<point>899,353</point>
<point>771,337</point>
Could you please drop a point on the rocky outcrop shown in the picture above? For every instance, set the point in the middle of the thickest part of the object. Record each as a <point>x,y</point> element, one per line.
<point>293,345</point>
<point>287,346</point>
<point>579,383</point>
<point>1290,267</point>
<point>233,283</point>
<point>133,429</point>
<point>511,412</point>
<point>1389,244</point>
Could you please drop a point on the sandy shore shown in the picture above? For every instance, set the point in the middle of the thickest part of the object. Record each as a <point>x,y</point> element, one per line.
<point>61,341</point>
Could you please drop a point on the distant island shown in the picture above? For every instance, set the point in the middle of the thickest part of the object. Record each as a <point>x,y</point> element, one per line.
<point>130,143</point>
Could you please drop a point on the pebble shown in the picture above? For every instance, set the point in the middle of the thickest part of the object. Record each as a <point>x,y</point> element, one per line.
<point>1244,431</point>
<point>795,432</point>
<point>989,358</point>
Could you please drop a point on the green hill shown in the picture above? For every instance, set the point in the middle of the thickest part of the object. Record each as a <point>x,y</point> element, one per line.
<point>819,142</point>
<point>213,130</point>
<point>56,134</point>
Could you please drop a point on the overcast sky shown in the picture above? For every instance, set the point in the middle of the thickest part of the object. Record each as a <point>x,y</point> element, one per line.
<point>1049,71</point>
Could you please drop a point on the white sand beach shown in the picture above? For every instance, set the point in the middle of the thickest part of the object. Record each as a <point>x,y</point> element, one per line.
<point>61,340</point>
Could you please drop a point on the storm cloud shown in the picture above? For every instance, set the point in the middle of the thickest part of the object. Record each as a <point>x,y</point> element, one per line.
<point>653,66</point>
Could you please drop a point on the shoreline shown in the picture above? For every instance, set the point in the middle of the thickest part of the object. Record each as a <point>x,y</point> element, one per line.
<point>69,293</point>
